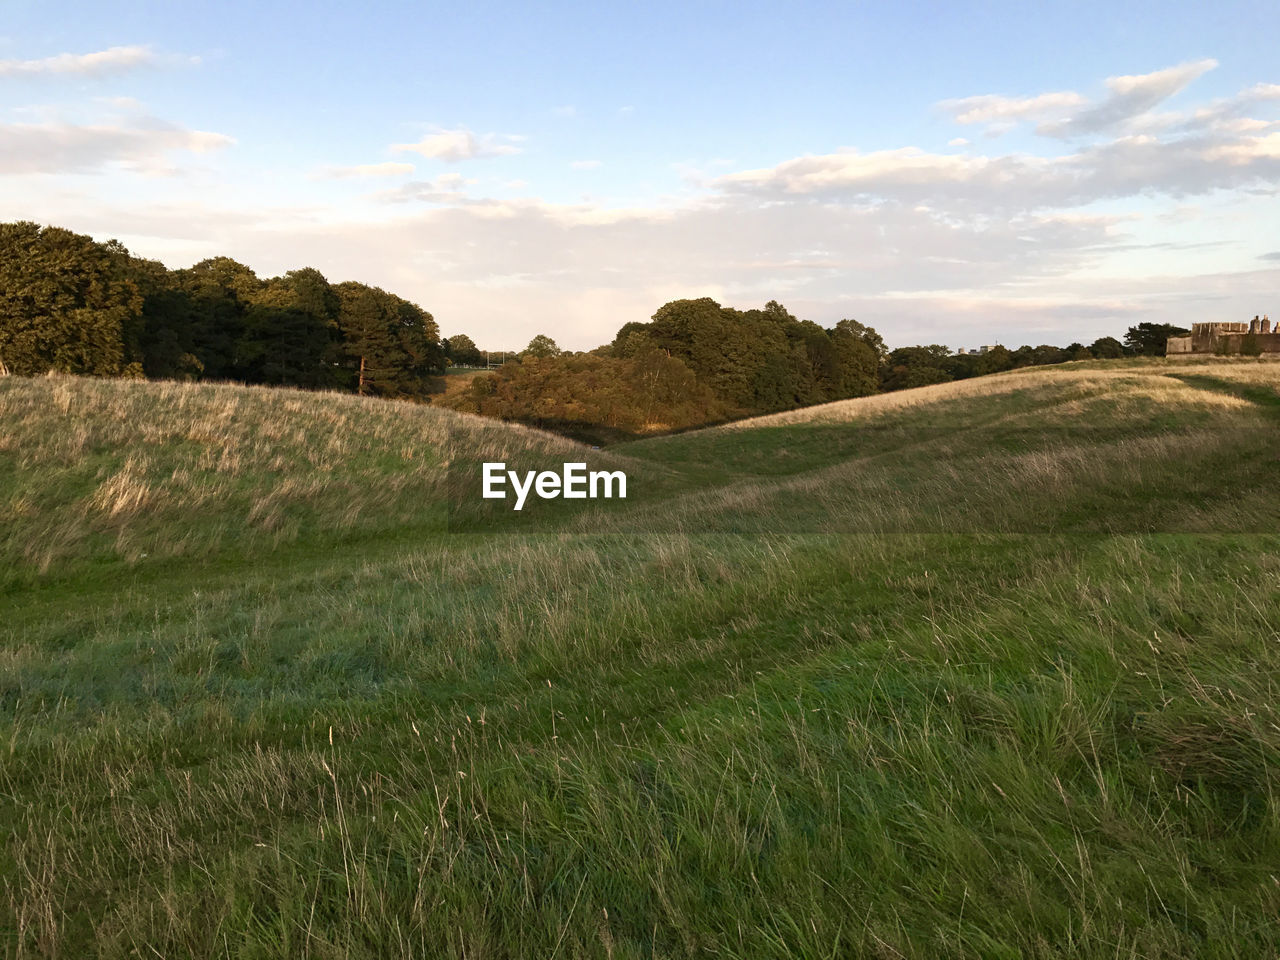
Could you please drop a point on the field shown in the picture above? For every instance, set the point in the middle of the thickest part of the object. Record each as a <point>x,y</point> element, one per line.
<point>987,669</point>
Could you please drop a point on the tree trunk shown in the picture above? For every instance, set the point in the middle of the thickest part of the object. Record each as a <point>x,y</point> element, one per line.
<point>360,385</point>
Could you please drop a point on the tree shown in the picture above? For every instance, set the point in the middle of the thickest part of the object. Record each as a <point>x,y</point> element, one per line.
<point>541,347</point>
<point>917,367</point>
<point>291,333</point>
<point>66,303</point>
<point>389,345</point>
<point>462,351</point>
<point>1149,339</point>
<point>214,296</point>
<point>419,339</point>
<point>995,360</point>
<point>867,335</point>
<point>592,396</point>
<point>1107,348</point>
<point>861,351</point>
<point>1046,354</point>
<point>366,319</point>
<point>1078,351</point>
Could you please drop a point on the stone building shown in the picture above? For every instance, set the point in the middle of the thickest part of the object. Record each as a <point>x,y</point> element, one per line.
<point>1250,338</point>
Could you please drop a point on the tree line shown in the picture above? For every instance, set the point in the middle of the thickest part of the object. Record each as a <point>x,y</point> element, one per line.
<point>921,366</point>
<point>697,362</point>
<point>71,304</point>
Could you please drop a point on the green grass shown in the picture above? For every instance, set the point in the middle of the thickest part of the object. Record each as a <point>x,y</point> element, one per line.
<point>984,670</point>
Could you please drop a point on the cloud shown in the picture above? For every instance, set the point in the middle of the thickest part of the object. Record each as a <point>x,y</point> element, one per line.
<point>907,173</point>
<point>1129,97</point>
<point>365,170</point>
<point>1228,114</point>
<point>112,60</point>
<point>997,184</point>
<point>962,247</point>
<point>585,164</point>
<point>452,146</point>
<point>990,108</point>
<point>139,144</point>
<point>446,188</point>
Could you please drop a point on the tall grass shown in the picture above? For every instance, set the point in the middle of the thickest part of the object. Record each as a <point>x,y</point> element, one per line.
<point>983,725</point>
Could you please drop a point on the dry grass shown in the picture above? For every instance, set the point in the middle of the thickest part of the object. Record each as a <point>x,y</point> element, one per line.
<point>1150,378</point>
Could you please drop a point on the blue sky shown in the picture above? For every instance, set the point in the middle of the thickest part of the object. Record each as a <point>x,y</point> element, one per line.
<point>954,173</point>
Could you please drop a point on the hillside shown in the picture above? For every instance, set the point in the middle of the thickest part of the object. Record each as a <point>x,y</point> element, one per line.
<point>980,669</point>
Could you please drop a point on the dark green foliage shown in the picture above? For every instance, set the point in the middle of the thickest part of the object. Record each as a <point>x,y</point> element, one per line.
<point>70,304</point>
<point>1047,354</point>
<point>1107,348</point>
<point>917,367</point>
<point>995,360</point>
<point>594,397</point>
<point>462,351</point>
<point>66,303</point>
<point>866,334</point>
<point>1078,351</point>
<point>291,332</point>
<point>859,353</point>
<point>759,361</point>
<point>1149,339</point>
<point>215,294</point>
<point>389,344</point>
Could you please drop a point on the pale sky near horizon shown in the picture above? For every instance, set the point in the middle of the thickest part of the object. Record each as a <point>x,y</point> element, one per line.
<point>947,173</point>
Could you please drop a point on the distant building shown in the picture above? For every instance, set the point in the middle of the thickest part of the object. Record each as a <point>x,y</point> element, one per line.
<point>1256,336</point>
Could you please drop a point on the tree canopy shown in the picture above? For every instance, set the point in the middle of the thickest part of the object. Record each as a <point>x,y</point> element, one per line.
<point>462,351</point>
<point>66,303</point>
<point>540,348</point>
<point>71,304</point>
<point>1149,339</point>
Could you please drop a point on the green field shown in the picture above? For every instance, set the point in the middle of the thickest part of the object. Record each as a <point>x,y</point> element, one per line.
<point>987,669</point>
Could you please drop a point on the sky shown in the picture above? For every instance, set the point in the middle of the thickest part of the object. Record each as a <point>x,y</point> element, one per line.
<point>958,173</point>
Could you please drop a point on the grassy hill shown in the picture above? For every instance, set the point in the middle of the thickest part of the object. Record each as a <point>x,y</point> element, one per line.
<point>984,669</point>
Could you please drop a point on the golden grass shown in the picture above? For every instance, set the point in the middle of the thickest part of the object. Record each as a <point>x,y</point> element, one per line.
<point>1152,377</point>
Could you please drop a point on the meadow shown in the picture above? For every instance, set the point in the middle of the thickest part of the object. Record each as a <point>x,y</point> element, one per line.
<point>986,669</point>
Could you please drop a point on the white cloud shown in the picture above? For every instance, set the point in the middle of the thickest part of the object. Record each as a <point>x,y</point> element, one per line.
<point>1127,107</point>
<point>112,60</point>
<point>1249,150</point>
<point>1129,97</point>
<point>446,188</point>
<point>958,142</point>
<point>585,164</point>
<point>990,108</point>
<point>460,144</point>
<point>140,144</point>
<point>1128,166</point>
<point>504,271</point>
<point>364,170</point>
<point>964,247</point>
